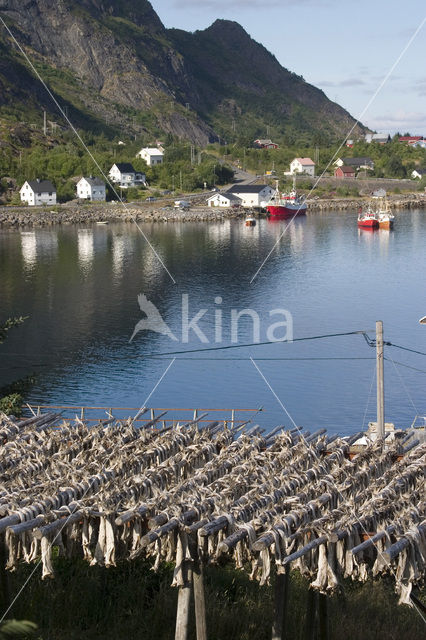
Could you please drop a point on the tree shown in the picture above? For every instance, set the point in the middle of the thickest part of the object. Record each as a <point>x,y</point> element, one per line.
<point>395,168</point>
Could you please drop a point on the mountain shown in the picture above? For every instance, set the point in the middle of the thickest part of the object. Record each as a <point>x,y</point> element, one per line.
<point>114,66</point>
<point>237,77</point>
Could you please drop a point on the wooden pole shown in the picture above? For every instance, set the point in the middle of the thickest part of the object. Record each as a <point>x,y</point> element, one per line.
<point>198,583</point>
<point>324,630</point>
<point>281,603</point>
<point>311,611</point>
<point>183,604</point>
<point>4,580</point>
<point>380,382</point>
<point>199,601</point>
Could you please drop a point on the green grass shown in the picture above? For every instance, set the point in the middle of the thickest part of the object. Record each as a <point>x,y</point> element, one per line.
<point>131,601</point>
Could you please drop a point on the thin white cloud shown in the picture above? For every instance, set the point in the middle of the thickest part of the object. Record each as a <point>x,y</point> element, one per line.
<point>351,82</point>
<point>413,121</point>
<point>347,82</point>
<point>420,86</point>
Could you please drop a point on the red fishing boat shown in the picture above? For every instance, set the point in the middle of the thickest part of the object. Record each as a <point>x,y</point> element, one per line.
<point>286,205</point>
<point>367,219</point>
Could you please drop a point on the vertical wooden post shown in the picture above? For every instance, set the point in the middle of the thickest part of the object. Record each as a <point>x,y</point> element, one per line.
<point>324,630</point>
<point>311,610</point>
<point>199,601</point>
<point>4,581</point>
<point>198,581</point>
<point>183,604</point>
<point>380,382</point>
<point>281,602</point>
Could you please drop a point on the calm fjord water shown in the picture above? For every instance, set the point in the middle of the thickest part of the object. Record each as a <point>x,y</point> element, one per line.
<point>79,287</point>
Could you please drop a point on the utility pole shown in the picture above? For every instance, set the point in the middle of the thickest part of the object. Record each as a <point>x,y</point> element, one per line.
<point>44,123</point>
<point>380,382</point>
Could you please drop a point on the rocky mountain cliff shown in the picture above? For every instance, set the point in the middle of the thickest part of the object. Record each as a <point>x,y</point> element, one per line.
<point>113,62</point>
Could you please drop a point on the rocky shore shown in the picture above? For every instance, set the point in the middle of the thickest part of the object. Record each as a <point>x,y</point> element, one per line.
<point>395,201</point>
<point>86,214</point>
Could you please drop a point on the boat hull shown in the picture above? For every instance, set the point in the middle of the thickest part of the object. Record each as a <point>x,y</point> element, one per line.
<point>286,211</point>
<point>386,224</point>
<point>368,224</point>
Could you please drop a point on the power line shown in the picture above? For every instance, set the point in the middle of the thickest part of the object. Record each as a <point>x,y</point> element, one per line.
<point>231,359</point>
<point>222,348</point>
<point>148,356</point>
<point>404,385</point>
<point>398,346</point>
<point>407,366</point>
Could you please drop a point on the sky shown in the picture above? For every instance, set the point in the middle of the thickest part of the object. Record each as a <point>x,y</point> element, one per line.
<point>347,49</point>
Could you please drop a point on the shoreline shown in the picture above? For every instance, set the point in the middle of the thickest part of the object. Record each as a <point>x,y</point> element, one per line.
<point>16,217</point>
<point>395,201</point>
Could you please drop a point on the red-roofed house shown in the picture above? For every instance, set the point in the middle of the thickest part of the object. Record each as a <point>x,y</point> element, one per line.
<point>265,144</point>
<point>410,139</point>
<point>302,165</point>
<point>344,172</point>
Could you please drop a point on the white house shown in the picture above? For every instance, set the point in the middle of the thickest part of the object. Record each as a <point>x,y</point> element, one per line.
<point>124,175</point>
<point>420,144</point>
<point>418,173</point>
<point>38,192</point>
<point>251,195</point>
<point>151,155</point>
<point>91,189</point>
<point>302,165</point>
<point>380,138</point>
<point>224,200</point>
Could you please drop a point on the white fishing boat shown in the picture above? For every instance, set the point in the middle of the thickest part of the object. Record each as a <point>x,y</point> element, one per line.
<point>381,209</point>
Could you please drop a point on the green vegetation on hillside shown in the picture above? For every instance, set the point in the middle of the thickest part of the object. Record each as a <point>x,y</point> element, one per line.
<point>61,158</point>
<point>393,160</point>
<point>28,154</point>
